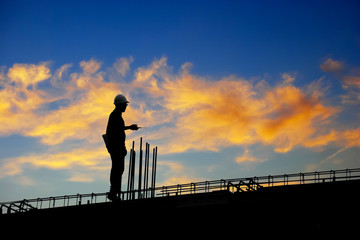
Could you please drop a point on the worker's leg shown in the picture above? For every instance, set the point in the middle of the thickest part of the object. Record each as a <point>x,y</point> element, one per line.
<point>116,172</point>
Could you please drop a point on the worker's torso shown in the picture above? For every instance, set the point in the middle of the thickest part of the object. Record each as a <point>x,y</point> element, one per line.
<point>115,131</point>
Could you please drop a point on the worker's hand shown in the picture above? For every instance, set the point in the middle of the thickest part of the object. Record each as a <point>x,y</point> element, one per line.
<point>134,127</point>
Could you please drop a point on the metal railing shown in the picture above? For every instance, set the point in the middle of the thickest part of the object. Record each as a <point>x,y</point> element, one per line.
<point>255,183</point>
<point>231,185</point>
<point>52,202</point>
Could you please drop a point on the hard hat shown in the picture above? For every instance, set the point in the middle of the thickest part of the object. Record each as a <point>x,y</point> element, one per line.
<point>119,99</point>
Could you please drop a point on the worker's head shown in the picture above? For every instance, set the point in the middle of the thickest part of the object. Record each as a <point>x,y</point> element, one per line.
<point>121,102</point>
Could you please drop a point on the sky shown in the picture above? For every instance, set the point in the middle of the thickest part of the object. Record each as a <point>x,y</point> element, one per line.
<point>225,89</point>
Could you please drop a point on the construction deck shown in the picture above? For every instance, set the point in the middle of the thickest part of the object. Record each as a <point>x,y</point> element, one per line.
<point>317,203</point>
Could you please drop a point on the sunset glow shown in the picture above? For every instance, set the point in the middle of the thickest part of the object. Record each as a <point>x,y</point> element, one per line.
<point>211,118</point>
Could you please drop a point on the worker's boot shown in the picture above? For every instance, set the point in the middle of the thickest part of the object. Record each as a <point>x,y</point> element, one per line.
<point>112,195</point>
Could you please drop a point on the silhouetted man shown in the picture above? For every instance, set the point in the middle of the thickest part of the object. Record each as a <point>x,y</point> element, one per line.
<point>115,143</point>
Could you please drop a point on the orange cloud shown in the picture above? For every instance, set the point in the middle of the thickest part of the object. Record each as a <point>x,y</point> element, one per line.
<point>293,119</point>
<point>85,157</point>
<point>19,103</point>
<point>215,114</point>
<point>85,117</point>
<point>322,140</point>
<point>345,139</point>
<point>352,137</point>
<point>202,114</point>
<point>26,74</point>
<point>182,111</point>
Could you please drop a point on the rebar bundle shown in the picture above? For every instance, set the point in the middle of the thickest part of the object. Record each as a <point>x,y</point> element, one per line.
<point>143,190</point>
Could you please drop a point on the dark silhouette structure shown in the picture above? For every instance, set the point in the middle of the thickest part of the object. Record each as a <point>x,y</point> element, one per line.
<point>301,205</point>
<point>115,143</point>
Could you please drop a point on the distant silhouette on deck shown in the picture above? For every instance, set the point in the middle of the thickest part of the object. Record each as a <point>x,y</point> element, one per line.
<point>115,144</point>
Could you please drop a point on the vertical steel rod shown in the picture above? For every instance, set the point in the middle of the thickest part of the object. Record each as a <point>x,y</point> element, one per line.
<point>140,169</point>
<point>129,174</point>
<point>144,190</point>
<point>133,176</point>
<point>146,177</point>
<point>153,170</point>
<point>132,170</point>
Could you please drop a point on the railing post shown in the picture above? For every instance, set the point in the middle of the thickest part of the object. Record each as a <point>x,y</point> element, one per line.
<point>178,188</point>
<point>92,196</point>
<point>256,182</point>
<point>286,179</point>
<point>37,202</point>
<point>317,177</point>
<point>163,190</point>
<point>302,178</point>
<point>348,174</point>
<point>222,184</point>
<point>78,196</point>
<point>332,175</point>
<point>272,181</point>
<point>191,187</point>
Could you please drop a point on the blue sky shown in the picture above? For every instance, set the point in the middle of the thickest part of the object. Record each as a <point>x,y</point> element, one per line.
<point>225,88</point>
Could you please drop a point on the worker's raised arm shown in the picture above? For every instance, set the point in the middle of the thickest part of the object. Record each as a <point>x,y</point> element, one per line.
<point>132,127</point>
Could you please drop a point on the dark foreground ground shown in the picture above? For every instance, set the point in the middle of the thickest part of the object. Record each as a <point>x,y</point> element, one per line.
<point>291,212</point>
